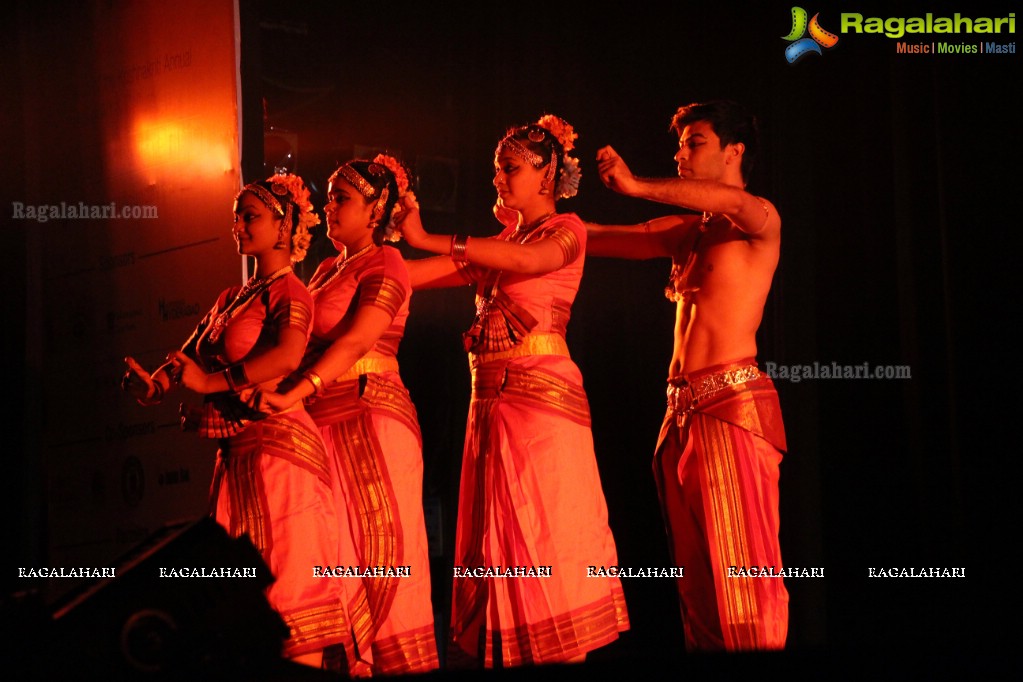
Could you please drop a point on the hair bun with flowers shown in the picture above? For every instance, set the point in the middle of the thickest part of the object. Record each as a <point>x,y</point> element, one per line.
<point>401,177</point>
<point>394,165</point>
<point>284,183</point>
<point>568,179</point>
<point>560,129</point>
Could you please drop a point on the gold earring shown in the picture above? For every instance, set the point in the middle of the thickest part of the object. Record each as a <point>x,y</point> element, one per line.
<point>282,237</point>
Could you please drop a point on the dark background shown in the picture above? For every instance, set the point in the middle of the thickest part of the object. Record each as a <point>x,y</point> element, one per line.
<point>895,179</point>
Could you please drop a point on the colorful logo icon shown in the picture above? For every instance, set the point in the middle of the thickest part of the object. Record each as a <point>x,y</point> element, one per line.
<point>801,46</point>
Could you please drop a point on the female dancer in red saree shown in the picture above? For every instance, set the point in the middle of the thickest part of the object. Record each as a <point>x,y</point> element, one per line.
<point>273,477</point>
<point>531,509</point>
<point>354,393</point>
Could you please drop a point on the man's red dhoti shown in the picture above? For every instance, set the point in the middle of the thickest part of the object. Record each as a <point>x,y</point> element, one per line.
<point>716,467</point>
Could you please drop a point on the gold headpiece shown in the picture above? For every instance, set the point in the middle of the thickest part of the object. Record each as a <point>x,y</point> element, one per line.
<point>357,181</point>
<point>516,148</point>
<point>264,195</point>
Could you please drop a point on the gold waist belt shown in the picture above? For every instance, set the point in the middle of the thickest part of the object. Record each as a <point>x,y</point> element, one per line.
<point>532,344</point>
<point>683,396</point>
<point>369,366</point>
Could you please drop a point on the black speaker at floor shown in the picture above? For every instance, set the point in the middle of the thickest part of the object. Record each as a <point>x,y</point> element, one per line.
<point>159,618</point>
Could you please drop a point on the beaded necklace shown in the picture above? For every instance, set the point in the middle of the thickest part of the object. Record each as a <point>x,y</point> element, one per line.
<point>335,272</point>
<point>252,287</point>
<point>523,231</point>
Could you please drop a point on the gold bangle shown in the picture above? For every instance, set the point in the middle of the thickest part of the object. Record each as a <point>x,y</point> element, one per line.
<point>314,379</point>
<point>458,245</point>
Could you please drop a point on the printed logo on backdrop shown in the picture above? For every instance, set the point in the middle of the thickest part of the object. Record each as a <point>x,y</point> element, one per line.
<point>929,33</point>
<point>801,45</point>
<point>133,481</point>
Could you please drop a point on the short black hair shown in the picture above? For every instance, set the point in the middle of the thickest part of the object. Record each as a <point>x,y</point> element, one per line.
<point>731,123</point>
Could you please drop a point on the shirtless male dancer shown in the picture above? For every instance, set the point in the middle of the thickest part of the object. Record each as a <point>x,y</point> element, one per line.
<point>717,456</point>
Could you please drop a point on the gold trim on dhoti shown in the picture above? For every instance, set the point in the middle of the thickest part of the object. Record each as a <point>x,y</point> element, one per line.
<point>532,344</point>
<point>371,365</point>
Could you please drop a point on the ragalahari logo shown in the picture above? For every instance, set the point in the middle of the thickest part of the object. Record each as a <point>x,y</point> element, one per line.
<point>801,46</point>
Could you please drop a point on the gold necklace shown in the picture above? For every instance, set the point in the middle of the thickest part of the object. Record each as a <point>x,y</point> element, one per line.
<point>324,280</point>
<point>523,231</point>
<point>253,286</point>
<point>680,273</point>
<point>519,236</point>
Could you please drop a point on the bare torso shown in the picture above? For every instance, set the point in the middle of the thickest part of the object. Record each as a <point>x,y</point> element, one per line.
<point>721,278</point>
